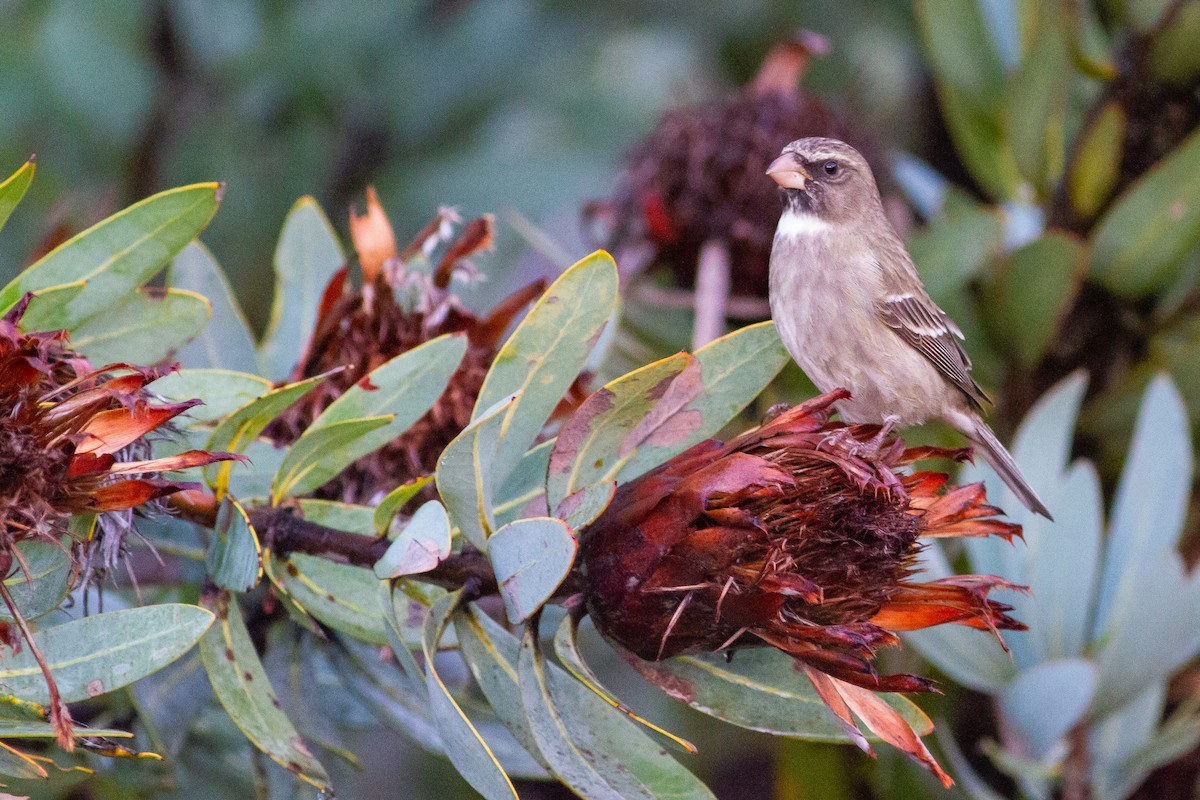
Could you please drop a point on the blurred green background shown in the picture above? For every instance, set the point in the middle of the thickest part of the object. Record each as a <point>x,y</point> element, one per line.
<point>488,105</point>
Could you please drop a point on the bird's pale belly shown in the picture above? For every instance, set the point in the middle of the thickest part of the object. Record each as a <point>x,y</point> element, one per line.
<point>844,344</point>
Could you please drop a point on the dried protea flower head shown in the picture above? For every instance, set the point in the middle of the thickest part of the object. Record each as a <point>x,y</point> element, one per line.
<point>404,300</point>
<point>801,535</point>
<point>698,177</point>
<point>69,435</point>
<point>73,440</point>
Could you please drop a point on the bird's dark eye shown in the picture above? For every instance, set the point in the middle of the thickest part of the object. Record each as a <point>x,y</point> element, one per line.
<point>830,167</point>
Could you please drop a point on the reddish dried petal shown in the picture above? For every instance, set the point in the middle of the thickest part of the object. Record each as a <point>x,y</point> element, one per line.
<point>185,460</point>
<point>886,723</point>
<point>109,431</point>
<point>130,493</point>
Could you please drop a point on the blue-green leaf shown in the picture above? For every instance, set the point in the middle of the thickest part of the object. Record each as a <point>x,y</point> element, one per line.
<point>467,750</point>
<point>242,686</point>
<point>423,542</point>
<point>103,652</point>
<point>466,473</point>
<point>226,343</point>
<point>40,578</point>
<point>221,391</point>
<point>119,254</point>
<point>1045,702</point>
<point>545,353</point>
<point>531,557</point>
<point>234,558</point>
<point>307,256</point>
<point>396,499</point>
<point>141,327</point>
<point>322,453</point>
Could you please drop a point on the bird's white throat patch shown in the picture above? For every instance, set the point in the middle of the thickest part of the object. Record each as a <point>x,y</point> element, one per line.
<point>793,224</point>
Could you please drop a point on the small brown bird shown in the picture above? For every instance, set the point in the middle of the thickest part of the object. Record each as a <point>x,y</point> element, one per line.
<point>851,309</point>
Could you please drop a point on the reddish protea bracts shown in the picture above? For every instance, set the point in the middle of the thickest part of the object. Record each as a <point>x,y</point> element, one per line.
<point>67,431</point>
<point>798,534</point>
<point>395,309</point>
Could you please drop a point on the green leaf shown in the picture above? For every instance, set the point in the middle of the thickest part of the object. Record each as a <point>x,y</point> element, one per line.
<point>307,256</point>
<point>760,690</point>
<point>341,596</point>
<point>17,764</point>
<point>1174,57</point>
<point>1143,241</point>
<point>491,654</point>
<point>1031,293</point>
<point>104,652</point>
<point>395,500</point>
<point>582,738</point>
<point>44,305</point>
<point>45,585</point>
<point>404,388</point>
<point>542,358</point>
<point>605,432</point>
<point>466,749</point>
<point>1036,101</point>
<point>465,473</point>
<point>1097,165</point>
<point>526,483</point>
<point>955,248</point>
<point>227,342</point>
<point>119,254</point>
<point>343,516</point>
<point>531,557</point>
<point>13,189</point>
<point>222,391</point>
<point>736,369</point>
<point>1045,702</point>
<point>242,427</point>
<point>37,729</point>
<point>142,327</point>
<point>234,557</point>
<point>242,686</point>
<point>585,506</point>
<point>970,79</point>
<point>423,542</point>
<point>320,455</point>
<point>566,647</point>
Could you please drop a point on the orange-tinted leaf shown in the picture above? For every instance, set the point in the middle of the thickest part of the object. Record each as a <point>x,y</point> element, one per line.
<point>109,431</point>
<point>887,724</point>
<point>127,494</point>
<point>374,240</point>
<point>186,460</point>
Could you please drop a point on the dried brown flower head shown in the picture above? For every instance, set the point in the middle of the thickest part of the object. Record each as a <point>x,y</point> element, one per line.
<point>67,431</point>
<point>699,176</point>
<point>396,309</point>
<point>800,535</point>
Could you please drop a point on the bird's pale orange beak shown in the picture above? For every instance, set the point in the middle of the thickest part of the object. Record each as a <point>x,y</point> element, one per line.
<point>788,172</point>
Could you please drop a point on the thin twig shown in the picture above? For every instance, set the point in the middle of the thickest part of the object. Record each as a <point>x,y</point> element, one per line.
<point>60,715</point>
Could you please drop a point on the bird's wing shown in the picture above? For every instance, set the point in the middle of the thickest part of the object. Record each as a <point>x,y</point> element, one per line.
<point>907,309</point>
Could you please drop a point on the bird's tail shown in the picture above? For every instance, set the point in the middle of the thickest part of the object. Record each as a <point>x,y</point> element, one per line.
<point>1000,460</point>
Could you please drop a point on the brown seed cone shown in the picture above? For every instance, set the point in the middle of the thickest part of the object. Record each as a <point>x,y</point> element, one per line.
<point>699,176</point>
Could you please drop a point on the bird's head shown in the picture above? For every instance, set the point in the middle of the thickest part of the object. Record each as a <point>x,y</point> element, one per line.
<point>826,178</point>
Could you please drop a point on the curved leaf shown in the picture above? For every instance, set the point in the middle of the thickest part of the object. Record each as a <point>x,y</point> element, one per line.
<point>466,749</point>
<point>307,256</point>
<point>531,558</point>
<point>466,473</point>
<point>242,686</point>
<point>762,690</point>
<point>227,341</point>
<point>119,254</point>
<point>321,454</point>
<point>13,189</point>
<point>423,542</point>
<point>104,652</point>
<point>582,738</point>
<point>1045,702</point>
<point>234,558</point>
<point>141,327</point>
<point>543,356</point>
<point>47,582</point>
<point>222,391</point>
<point>1142,242</point>
<point>395,500</point>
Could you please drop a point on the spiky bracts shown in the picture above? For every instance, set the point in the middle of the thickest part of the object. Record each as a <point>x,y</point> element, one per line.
<point>798,534</point>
